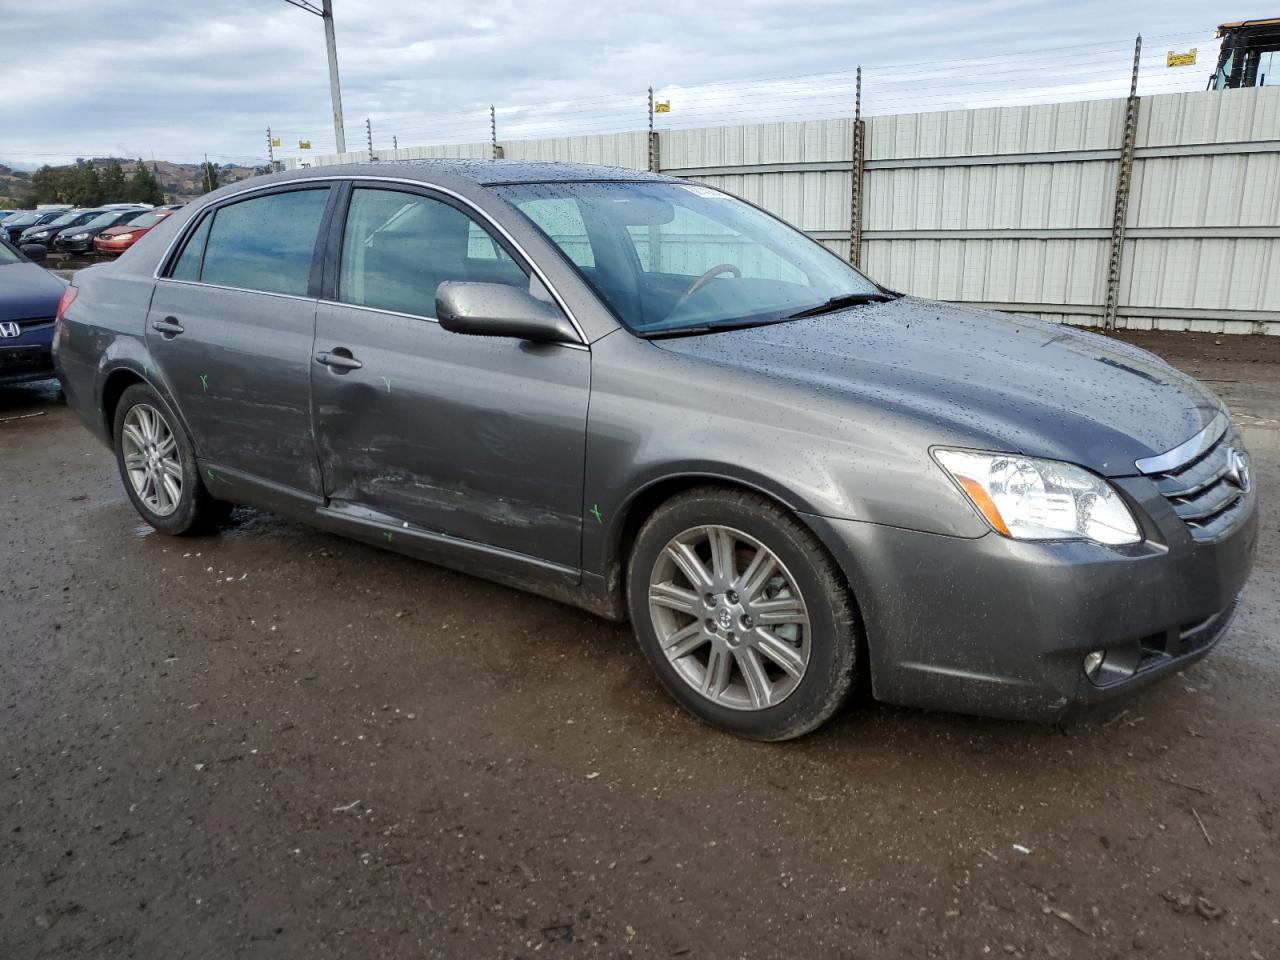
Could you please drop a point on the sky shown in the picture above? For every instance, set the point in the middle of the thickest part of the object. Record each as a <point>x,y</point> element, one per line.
<point>176,79</point>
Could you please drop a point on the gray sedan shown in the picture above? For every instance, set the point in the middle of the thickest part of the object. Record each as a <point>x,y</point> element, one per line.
<point>653,400</point>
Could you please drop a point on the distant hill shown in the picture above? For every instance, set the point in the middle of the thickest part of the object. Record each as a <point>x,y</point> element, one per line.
<point>180,181</point>
<point>13,183</point>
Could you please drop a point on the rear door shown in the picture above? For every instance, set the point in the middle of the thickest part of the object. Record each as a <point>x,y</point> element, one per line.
<point>231,327</point>
<point>478,438</point>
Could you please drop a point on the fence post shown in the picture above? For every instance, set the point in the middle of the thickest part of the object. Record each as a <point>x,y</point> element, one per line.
<point>495,151</point>
<point>855,194</point>
<point>1124,177</point>
<point>654,156</point>
<point>368,132</point>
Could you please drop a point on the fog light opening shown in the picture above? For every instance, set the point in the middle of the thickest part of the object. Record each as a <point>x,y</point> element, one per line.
<point>1093,664</point>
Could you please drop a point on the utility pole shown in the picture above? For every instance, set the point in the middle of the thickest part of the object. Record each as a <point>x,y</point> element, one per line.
<point>271,152</point>
<point>495,152</point>
<point>325,13</point>
<point>368,132</point>
<point>395,142</point>
<point>205,170</point>
<point>335,89</point>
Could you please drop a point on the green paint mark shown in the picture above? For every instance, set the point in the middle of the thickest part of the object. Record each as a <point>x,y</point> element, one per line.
<point>388,383</point>
<point>390,536</point>
<point>204,381</point>
<point>595,512</point>
<point>211,476</point>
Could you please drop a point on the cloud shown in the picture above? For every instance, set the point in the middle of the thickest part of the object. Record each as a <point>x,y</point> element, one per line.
<point>177,80</point>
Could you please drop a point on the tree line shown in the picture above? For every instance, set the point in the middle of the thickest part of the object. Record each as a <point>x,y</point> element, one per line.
<point>84,185</point>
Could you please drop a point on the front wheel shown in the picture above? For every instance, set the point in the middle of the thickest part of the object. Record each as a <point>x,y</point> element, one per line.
<point>742,614</point>
<point>158,466</point>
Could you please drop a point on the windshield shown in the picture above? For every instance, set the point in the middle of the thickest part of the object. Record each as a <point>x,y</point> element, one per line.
<point>104,219</point>
<point>73,219</point>
<point>147,219</point>
<point>671,257</point>
<point>19,219</point>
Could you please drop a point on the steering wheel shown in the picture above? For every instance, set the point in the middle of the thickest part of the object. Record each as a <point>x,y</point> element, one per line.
<point>706,278</point>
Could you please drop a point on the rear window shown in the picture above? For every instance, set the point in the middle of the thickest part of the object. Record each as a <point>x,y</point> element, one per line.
<point>266,243</point>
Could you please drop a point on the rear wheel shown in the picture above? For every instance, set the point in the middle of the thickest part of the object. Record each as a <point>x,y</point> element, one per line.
<point>742,614</point>
<point>158,467</point>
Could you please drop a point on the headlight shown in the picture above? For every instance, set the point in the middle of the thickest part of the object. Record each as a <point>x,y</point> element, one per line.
<point>39,236</point>
<point>1031,499</point>
<point>81,236</point>
<point>121,236</point>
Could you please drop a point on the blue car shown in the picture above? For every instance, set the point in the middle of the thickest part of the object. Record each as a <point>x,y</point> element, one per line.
<point>29,296</point>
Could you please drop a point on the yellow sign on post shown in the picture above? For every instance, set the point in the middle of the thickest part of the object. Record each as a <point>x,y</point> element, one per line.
<point>275,141</point>
<point>304,144</point>
<point>1187,59</point>
<point>662,106</point>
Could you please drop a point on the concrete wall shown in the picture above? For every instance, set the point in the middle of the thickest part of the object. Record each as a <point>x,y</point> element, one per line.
<point>1010,207</point>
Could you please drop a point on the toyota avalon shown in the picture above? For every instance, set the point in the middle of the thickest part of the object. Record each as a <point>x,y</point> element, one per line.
<point>655,401</point>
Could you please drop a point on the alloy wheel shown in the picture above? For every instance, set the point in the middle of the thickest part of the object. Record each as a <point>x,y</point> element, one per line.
<point>151,459</point>
<point>729,617</point>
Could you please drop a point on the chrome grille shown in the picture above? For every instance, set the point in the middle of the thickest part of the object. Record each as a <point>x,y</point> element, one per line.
<point>1207,482</point>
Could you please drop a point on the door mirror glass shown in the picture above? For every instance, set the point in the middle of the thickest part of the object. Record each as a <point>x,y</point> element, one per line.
<point>500,310</point>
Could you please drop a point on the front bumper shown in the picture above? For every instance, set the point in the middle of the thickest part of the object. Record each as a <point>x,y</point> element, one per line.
<point>25,363</point>
<point>1000,627</point>
<point>63,245</point>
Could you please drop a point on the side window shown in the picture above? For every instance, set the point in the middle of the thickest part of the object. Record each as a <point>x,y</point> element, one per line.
<point>561,220</point>
<point>397,248</point>
<point>187,266</point>
<point>266,243</point>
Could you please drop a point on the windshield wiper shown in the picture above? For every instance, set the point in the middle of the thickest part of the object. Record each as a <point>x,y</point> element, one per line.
<point>840,302</point>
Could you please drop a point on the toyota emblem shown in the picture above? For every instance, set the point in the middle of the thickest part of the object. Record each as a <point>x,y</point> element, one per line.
<point>1238,469</point>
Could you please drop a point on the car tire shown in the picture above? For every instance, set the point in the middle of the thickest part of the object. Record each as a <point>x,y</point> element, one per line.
<point>158,466</point>
<point>770,660</point>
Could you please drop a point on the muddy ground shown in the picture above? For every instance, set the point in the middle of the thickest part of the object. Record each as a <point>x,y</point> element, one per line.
<point>275,743</point>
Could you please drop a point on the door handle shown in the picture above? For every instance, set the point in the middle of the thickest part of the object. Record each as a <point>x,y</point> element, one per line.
<point>339,360</point>
<point>169,327</point>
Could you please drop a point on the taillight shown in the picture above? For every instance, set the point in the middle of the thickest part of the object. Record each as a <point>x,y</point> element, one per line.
<point>60,329</point>
<point>68,297</point>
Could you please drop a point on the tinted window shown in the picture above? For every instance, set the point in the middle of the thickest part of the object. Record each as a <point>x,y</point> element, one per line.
<point>266,243</point>
<point>187,266</point>
<point>397,248</point>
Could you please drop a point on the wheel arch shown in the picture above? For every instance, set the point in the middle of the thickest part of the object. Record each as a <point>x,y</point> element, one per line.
<point>114,385</point>
<point>644,501</point>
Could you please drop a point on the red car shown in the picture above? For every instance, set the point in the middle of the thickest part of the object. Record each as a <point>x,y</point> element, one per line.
<point>116,240</point>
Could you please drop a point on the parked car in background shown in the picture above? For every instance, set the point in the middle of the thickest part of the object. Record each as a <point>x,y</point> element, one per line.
<point>43,233</point>
<point>79,238</point>
<point>12,227</point>
<point>114,241</point>
<point>29,296</point>
<point>656,401</point>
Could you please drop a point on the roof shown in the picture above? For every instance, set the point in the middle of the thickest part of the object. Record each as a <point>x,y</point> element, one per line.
<point>480,172</point>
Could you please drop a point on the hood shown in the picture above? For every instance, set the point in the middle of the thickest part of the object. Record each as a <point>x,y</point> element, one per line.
<point>999,381</point>
<point>121,228</point>
<point>28,291</point>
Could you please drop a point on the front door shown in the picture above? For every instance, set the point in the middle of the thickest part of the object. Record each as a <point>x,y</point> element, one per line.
<point>477,438</point>
<point>231,329</point>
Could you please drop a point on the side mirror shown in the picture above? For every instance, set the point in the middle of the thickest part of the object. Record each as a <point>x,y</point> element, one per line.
<point>34,251</point>
<point>500,310</point>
